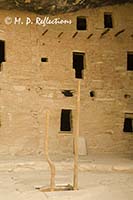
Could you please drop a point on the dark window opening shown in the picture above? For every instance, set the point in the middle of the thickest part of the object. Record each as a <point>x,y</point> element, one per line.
<point>67,93</point>
<point>1,67</point>
<point>92,93</point>
<point>128,123</point>
<point>78,64</point>
<point>44,59</point>
<point>130,61</point>
<point>2,51</point>
<point>81,23</point>
<point>65,120</point>
<point>78,73</point>
<point>108,21</point>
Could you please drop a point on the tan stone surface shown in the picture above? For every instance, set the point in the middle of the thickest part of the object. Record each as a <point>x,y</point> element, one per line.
<point>28,87</point>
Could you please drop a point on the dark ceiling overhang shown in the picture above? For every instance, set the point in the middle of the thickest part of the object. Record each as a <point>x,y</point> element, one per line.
<point>56,6</point>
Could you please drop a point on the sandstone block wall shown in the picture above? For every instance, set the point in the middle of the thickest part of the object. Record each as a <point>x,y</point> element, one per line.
<point>28,87</point>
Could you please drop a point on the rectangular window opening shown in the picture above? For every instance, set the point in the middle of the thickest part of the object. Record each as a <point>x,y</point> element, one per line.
<point>81,23</point>
<point>65,120</point>
<point>130,61</point>
<point>2,51</point>
<point>1,68</point>
<point>128,123</point>
<point>78,64</point>
<point>108,20</point>
<point>44,59</point>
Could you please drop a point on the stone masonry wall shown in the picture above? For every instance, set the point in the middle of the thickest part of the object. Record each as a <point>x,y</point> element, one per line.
<point>29,87</point>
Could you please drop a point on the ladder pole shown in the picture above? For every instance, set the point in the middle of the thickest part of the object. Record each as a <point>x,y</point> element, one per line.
<point>76,137</point>
<point>51,164</point>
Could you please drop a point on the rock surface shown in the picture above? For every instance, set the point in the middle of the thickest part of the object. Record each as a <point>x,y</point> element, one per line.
<point>56,6</point>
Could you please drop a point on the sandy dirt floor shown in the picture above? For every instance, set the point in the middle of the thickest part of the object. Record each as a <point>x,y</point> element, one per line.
<point>20,185</point>
<point>18,181</point>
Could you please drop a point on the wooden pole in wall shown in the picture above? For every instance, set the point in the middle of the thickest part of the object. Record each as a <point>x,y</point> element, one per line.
<point>76,136</point>
<point>51,164</point>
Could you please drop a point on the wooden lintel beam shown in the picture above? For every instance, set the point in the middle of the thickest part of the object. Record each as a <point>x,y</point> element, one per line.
<point>105,32</point>
<point>45,32</point>
<point>60,34</point>
<point>90,36</point>
<point>75,34</point>
<point>119,32</point>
